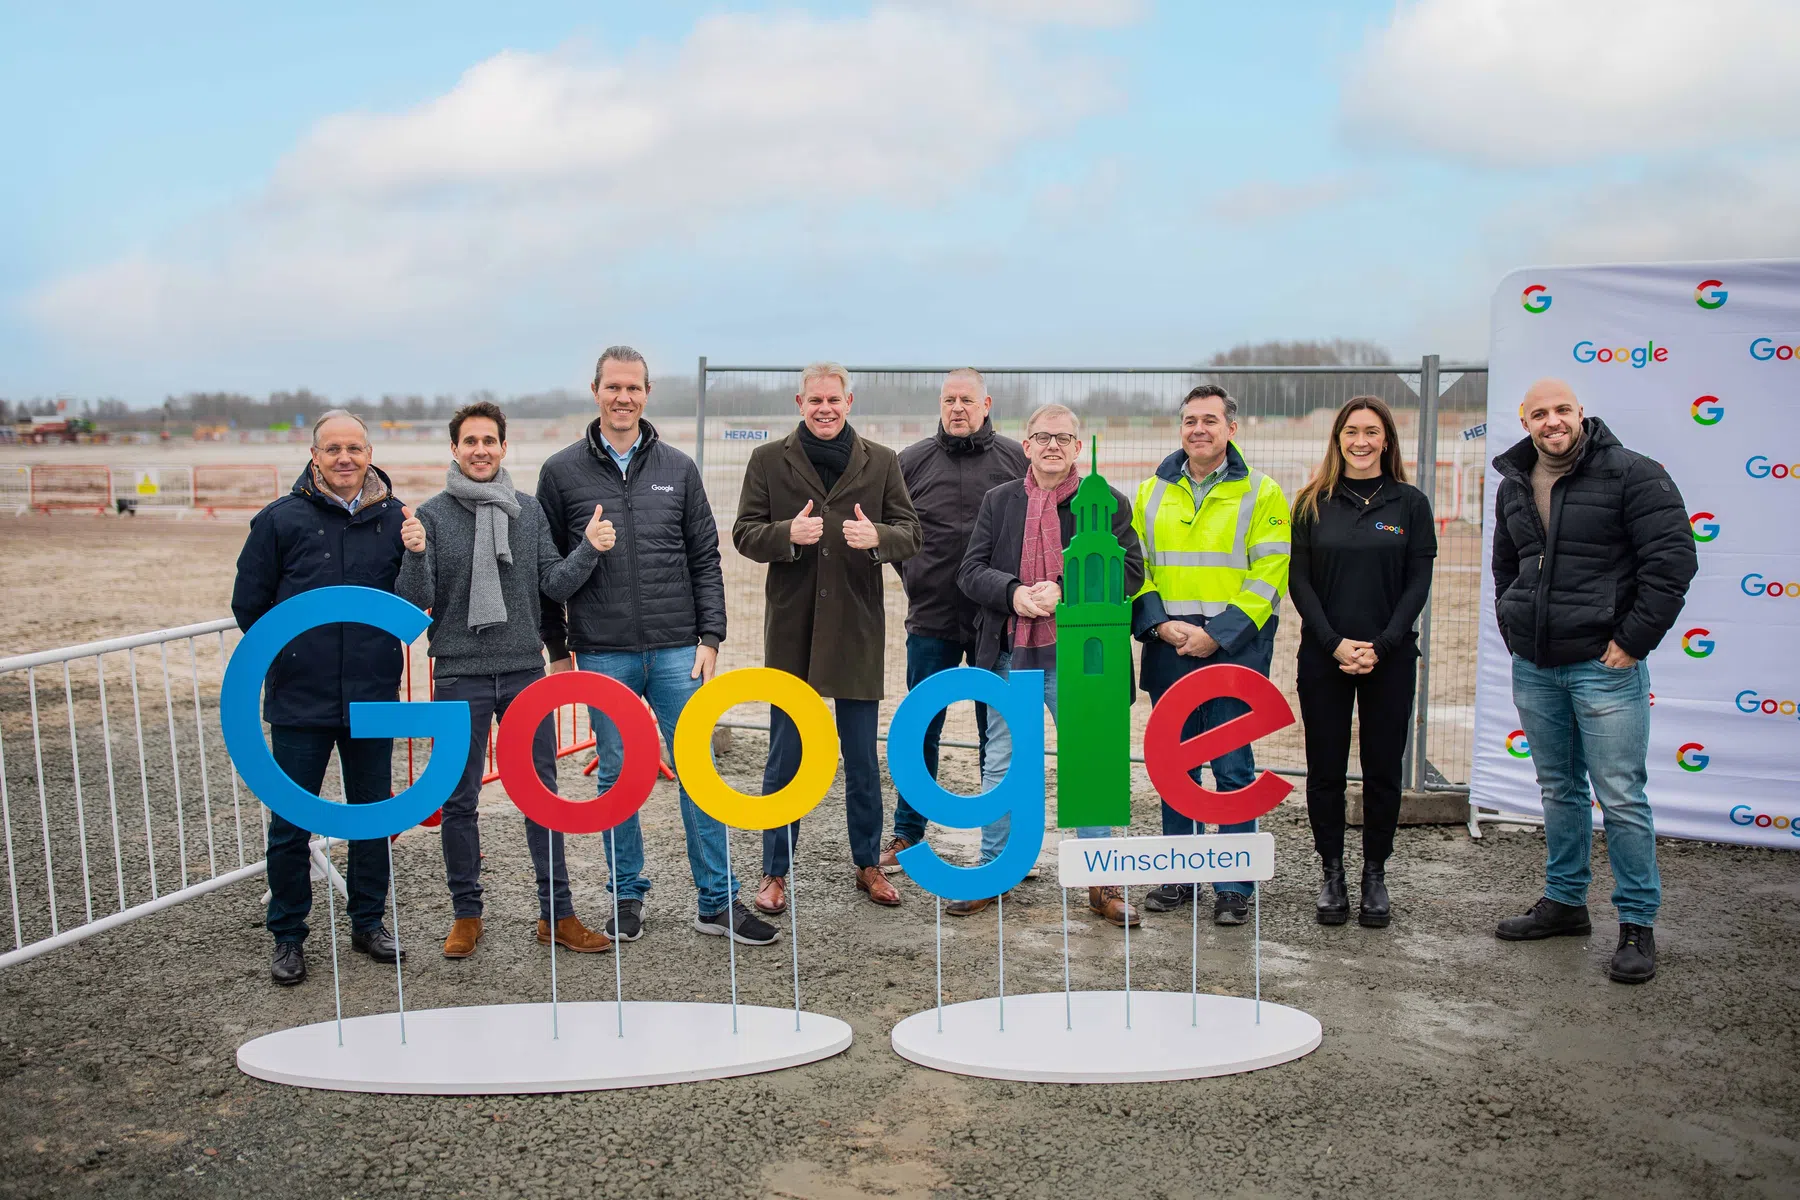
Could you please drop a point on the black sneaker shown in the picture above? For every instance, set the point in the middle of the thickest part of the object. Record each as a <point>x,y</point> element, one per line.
<point>1547,918</point>
<point>630,922</point>
<point>746,928</point>
<point>1635,959</point>
<point>1230,908</point>
<point>1169,897</point>
<point>288,967</point>
<point>378,944</point>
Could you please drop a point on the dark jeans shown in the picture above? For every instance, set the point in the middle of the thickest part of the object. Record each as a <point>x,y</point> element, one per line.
<point>856,723</point>
<point>1162,668</point>
<point>489,696</point>
<point>926,656</point>
<point>367,765</point>
<point>1384,699</point>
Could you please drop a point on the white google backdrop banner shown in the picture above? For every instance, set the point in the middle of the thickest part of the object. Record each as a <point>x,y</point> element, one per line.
<point>1697,366</point>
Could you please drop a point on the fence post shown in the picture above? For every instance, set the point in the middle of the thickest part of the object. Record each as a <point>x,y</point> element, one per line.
<point>1427,483</point>
<point>700,420</point>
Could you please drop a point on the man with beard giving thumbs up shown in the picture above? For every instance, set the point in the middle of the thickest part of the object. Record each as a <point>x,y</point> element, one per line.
<point>478,554</point>
<point>825,509</point>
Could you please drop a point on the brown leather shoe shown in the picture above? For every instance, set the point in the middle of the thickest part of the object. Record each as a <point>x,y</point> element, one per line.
<point>968,908</point>
<point>464,933</point>
<point>571,934</point>
<point>1109,902</point>
<point>872,881</point>
<point>771,897</point>
<point>890,858</point>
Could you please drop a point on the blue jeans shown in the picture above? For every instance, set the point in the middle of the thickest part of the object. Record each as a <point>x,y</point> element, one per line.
<point>664,678</point>
<point>998,760</point>
<point>1230,771</point>
<point>1588,722</point>
<point>926,656</point>
<point>856,726</point>
<point>367,765</point>
<point>489,696</point>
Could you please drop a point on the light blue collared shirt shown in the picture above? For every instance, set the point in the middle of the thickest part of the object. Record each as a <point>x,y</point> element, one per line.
<point>623,460</point>
<point>1202,486</point>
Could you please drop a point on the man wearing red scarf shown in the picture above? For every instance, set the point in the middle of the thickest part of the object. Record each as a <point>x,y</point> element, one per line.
<point>1013,572</point>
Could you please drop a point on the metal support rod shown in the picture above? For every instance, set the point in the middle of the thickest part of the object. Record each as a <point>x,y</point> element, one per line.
<point>1427,483</point>
<point>337,990</point>
<point>794,934</point>
<point>730,913</point>
<point>87,888</point>
<point>1001,901</point>
<point>940,961</point>
<point>700,419</point>
<point>399,952</point>
<point>112,795</point>
<point>550,837</point>
<point>1125,892</point>
<point>612,884</point>
<point>1068,997</point>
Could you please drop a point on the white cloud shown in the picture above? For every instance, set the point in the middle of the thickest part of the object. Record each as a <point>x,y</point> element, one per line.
<point>1090,14</point>
<point>1529,82</point>
<point>536,168</point>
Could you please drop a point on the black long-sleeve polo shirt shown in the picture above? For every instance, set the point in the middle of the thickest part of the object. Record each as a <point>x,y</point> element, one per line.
<point>1362,568</point>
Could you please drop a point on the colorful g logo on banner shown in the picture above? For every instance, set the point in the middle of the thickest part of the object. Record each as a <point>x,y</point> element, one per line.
<point>1169,759</point>
<point>1019,701</point>
<point>1517,744</point>
<point>446,722</point>
<point>1705,526</point>
<point>1709,293</point>
<point>1696,643</point>
<point>1689,758</point>
<point>818,748</point>
<point>1534,299</point>
<point>637,735</point>
<point>1707,410</point>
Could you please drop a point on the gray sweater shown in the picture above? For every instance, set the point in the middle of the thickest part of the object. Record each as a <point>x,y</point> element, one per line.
<point>437,579</point>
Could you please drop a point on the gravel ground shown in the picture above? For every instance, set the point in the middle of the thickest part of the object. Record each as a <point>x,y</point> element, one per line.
<point>1452,1063</point>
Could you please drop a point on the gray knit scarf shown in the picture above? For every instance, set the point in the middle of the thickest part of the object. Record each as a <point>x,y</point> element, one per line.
<point>494,504</point>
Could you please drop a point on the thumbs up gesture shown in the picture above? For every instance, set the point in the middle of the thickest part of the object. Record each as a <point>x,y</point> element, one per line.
<point>806,529</point>
<point>600,533</point>
<point>412,531</point>
<point>860,534</point>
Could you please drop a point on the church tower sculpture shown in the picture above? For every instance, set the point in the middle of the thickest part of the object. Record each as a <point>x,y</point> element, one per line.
<point>1093,666</point>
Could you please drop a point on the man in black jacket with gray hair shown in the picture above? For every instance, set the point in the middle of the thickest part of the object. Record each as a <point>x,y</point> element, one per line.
<point>1592,559</point>
<point>651,616</point>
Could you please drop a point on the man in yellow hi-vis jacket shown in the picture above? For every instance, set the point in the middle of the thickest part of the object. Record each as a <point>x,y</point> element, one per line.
<point>1215,537</point>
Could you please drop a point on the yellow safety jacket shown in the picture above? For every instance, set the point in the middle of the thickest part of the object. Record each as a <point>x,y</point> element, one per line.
<point>1222,564</point>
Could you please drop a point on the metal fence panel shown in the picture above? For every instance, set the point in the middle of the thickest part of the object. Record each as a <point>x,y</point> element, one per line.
<point>1285,416</point>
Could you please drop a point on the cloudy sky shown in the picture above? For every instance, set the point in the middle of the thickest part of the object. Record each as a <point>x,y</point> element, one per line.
<point>441,197</point>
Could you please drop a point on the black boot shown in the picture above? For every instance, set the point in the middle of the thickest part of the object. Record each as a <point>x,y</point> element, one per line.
<point>1334,901</point>
<point>1635,959</point>
<point>1547,918</point>
<point>1374,908</point>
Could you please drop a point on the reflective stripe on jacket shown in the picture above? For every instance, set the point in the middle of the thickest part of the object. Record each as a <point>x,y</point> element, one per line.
<point>1224,565</point>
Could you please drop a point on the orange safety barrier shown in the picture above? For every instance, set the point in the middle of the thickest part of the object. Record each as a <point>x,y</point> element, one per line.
<point>246,486</point>
<point>71,486</point>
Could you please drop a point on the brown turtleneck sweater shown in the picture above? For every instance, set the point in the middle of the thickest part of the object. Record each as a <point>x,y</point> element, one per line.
<point>1549,469</point>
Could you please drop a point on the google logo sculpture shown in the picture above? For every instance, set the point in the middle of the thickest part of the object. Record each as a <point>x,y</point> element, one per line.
<point>1062,1036</point>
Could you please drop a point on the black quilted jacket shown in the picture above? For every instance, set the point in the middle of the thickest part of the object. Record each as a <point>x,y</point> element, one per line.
<point>1614,565</point>
<point>661,584</point>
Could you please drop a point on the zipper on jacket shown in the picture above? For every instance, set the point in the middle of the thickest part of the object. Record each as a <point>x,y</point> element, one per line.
<point>637,599</point>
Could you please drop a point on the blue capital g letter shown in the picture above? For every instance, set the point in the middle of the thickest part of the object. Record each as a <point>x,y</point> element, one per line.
<point>1019,701</point>
<point>444,721</point>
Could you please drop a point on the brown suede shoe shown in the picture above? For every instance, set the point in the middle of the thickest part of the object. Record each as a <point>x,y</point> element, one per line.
<point>464,933</point>
<point>1109,902</point>
<point>890,858</point>
<point>968,908</point>
<point>771,897</point>
<point>872,881</point>
<point>571,934</point>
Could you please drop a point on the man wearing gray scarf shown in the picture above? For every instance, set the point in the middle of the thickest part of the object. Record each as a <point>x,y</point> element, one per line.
<point>477,553</point>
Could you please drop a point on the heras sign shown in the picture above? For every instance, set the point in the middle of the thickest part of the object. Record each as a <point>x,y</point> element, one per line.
<point>1093,733</point>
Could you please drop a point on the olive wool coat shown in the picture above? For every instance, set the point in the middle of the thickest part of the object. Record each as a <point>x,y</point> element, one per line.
<point>824,616</point>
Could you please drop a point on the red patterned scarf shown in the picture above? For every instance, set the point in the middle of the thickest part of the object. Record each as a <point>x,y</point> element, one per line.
<point>1040,554</point>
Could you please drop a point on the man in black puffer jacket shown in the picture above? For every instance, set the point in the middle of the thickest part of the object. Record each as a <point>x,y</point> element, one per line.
<point>651,616</point>
<point>338,526</point>
<point>1592,559</point>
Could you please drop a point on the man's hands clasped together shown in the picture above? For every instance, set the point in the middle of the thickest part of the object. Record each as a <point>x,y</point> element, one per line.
<point>1037,600</point>
<point>1189,640</point>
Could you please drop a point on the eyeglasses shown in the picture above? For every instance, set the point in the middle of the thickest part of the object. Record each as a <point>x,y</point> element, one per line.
<point>1063,440</point>
<point>354,450</point>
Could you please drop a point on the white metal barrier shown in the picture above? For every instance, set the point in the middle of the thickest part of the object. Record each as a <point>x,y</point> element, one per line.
<point>74,834</point>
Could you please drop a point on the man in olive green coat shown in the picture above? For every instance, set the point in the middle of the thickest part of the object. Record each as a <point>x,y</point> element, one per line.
<point>825,509</point>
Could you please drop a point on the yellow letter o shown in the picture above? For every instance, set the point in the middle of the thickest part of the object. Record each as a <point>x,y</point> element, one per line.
<point>818,748</point>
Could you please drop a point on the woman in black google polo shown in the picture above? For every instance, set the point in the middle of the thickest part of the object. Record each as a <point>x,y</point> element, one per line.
<point>1361,569</point>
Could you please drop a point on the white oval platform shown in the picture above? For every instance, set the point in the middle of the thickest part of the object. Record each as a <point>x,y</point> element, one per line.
<point>1164,1042</point>
<point>507,1048</point>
